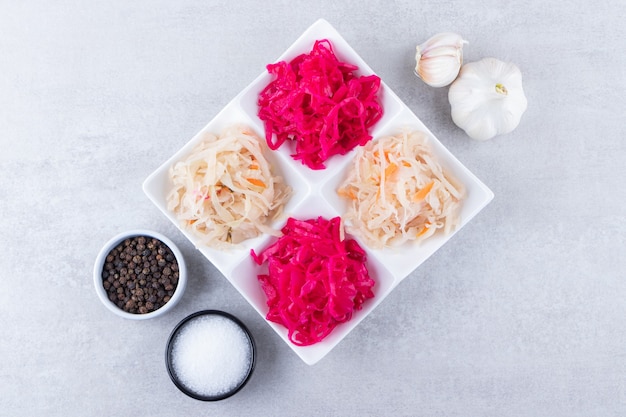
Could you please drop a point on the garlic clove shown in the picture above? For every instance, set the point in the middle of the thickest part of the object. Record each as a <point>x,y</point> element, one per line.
<point>439,59</point>
<point>439,72</point>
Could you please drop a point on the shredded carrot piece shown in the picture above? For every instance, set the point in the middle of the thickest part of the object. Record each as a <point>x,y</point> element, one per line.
<point>391,168</point>
<point>421,194</point>
<point>346,193</point>
<point>386,153</point>
<point>256,182</point>
<point>424,230</point>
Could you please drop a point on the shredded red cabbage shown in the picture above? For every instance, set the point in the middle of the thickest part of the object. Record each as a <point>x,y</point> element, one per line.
<point>320,103</point>
<point>315,280</point>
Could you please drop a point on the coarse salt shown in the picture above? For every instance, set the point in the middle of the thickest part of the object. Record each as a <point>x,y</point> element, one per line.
<point>211,355</point>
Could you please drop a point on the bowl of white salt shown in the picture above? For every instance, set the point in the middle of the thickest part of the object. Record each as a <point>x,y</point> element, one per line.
<point>210,355</point>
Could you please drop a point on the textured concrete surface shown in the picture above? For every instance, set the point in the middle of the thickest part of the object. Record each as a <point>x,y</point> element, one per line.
<point>521,314</point>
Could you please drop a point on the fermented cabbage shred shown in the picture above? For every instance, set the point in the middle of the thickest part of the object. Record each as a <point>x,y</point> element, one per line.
<point>316,278</point>
<point>398,191</point>
<point>224,191</point>
<point>321,104</point>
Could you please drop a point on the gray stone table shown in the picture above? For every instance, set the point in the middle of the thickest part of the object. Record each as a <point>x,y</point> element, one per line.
<point>522,313</point>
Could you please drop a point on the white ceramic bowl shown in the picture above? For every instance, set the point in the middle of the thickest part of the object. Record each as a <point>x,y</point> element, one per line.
<point>314,193</point>
<point>99,265</point>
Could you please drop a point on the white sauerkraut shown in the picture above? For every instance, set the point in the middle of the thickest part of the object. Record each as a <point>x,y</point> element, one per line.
<point>224,191</point>
<point>398,191</point>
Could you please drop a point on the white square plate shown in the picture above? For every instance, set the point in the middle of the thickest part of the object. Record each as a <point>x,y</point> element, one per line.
<point>315,193</point>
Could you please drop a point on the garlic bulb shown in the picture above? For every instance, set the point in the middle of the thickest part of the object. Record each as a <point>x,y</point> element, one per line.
<point>439,59</point>
<point>487,98</point>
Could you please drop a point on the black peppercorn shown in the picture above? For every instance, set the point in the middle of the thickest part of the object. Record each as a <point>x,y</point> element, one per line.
<point>133,271</point>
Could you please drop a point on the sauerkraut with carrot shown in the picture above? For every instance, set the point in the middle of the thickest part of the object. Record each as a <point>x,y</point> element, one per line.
<point>224,192</point>
<point>398,192</point>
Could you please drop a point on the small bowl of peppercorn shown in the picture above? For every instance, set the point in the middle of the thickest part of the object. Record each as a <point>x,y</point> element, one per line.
<point>140,274</point>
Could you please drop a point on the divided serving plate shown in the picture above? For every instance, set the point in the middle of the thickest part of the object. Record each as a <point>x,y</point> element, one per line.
<point>314,193</point>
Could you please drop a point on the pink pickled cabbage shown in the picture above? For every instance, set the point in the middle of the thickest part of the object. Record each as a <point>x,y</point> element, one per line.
<point>315,279</point>
<point>318,102</point>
